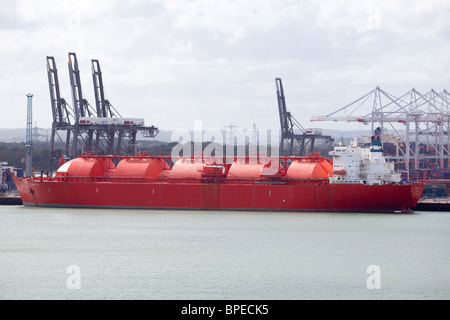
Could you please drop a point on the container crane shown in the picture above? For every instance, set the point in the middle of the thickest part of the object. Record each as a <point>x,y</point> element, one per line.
<point>81,105</point>
<point>82,122</point>
<point>63,117</point>
<point>122,127</point>
<point>424,118</point>
<point>104,108</point>
<point>289,126</point>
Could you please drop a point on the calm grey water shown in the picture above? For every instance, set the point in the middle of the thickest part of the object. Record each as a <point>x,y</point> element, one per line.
<point>128,254</point>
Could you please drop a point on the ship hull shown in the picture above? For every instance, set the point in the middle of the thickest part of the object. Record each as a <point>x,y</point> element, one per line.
<point>307,195</point>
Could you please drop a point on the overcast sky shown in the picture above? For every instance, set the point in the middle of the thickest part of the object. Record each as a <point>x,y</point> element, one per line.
<point>174,62</point>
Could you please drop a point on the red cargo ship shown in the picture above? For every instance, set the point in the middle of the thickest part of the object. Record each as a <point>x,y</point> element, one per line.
<point>358,180</point>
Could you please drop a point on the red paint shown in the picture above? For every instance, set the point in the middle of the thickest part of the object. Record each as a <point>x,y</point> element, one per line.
<point>96,182</point>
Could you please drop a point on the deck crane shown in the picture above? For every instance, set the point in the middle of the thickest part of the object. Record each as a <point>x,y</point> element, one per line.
<point>289,126</point>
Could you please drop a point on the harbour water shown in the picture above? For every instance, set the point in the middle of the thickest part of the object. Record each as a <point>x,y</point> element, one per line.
<point>143,254</point>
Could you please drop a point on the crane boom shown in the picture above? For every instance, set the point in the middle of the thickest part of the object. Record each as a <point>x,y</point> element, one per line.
<point>288,125</point>
<point>104,107</point>
<point>82,122</point>
<point>81,105</point>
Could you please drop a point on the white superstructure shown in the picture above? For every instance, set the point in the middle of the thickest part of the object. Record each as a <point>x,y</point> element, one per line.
<point>352,164</point>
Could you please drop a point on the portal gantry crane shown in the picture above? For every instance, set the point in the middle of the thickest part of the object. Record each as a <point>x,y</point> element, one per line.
<point>82,122</point>
<point>292,131</point>
<point>81,105</point>
<point>424,120</point>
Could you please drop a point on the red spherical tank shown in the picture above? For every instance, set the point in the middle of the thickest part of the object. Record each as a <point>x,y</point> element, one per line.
<point>317,168</point>
<point>187,168</point>
<point>251,171</point>
<point>140,167</point>
<point>85,167</point>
